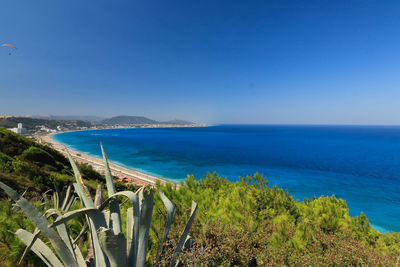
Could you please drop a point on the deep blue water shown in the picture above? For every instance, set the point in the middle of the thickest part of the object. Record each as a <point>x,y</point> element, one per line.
<point>360,164</point>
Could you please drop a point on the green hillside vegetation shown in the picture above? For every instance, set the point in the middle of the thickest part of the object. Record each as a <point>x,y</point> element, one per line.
<point>249,223</point>
<point>26,164</point>
<point>246,223</point>
<point>177,122</point>
<point>125,120</point>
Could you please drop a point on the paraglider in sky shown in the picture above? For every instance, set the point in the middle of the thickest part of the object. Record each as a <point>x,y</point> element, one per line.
<point>9,45</point>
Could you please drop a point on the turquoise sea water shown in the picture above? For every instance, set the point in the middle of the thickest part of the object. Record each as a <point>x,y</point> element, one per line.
<point>360,164</point>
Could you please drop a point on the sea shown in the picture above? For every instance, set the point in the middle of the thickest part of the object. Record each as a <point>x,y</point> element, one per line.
<point>360,164</point>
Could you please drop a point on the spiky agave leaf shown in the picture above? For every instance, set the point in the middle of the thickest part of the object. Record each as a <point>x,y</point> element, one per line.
<point>61,229</point>
<point>72,214</point>
<point>132,226</point>
<point>60,224</point>
<point>79,256</point>
<point>64,234</point>
<point>114,246</point>
<point>36,217</point>
<point>94,214</point>
<point>130,237</point>
<point>67,197</point>
<point>146,200</point>
<point>39,248</point>
<point>170,213</point>
<point>115,213</point>
<point>85,195</point>
<point>106,214</point>
<point>184,234</point>
<point>36,233</point>
<point>94,224</point>
<point>55,199</point>
<point>70,203</point>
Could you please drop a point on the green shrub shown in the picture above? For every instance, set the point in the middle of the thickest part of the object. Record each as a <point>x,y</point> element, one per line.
<point>59,180</point>
<point>5,163</point>
<point>11,248</point>
<point>248,223</point>
<point>21,167</point>
<point>38,156</point>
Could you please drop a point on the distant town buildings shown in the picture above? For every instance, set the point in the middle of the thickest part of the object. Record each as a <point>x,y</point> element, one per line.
<point>43,128</point>
<point>19,129</point>
<point>61,128</point>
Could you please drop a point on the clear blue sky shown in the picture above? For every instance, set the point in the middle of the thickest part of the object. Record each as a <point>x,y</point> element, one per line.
<point>330,62</point>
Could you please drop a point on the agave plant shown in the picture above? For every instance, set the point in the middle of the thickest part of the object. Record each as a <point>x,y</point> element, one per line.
<point>62,201</point>
<point>110,246</point>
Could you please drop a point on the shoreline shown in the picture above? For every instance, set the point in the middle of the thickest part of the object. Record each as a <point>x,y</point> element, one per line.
<point>150,179</point>
<point>124,174</point>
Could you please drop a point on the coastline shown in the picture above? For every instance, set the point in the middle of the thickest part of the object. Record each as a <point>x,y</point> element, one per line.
<point>124,174</point>
<point>138,177</point>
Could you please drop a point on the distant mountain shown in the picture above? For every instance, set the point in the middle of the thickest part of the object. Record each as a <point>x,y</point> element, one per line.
<point>178,122</point>
<point>68,117</point>
<point>126,120</point>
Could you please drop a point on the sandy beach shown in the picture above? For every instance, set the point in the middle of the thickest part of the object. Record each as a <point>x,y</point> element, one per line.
<point>124,174</point>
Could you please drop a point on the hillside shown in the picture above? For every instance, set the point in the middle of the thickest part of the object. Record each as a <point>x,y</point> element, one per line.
<point>128,120</point>
<point>26,164</point>
<point>125,120</point>
<point>69,117</point>
<point>178,122</point>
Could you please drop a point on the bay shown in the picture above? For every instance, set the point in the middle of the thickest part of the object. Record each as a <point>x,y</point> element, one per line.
<point>360,164</point>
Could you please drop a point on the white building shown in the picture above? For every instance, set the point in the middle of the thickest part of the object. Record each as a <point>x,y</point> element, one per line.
<point>19,130</point>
